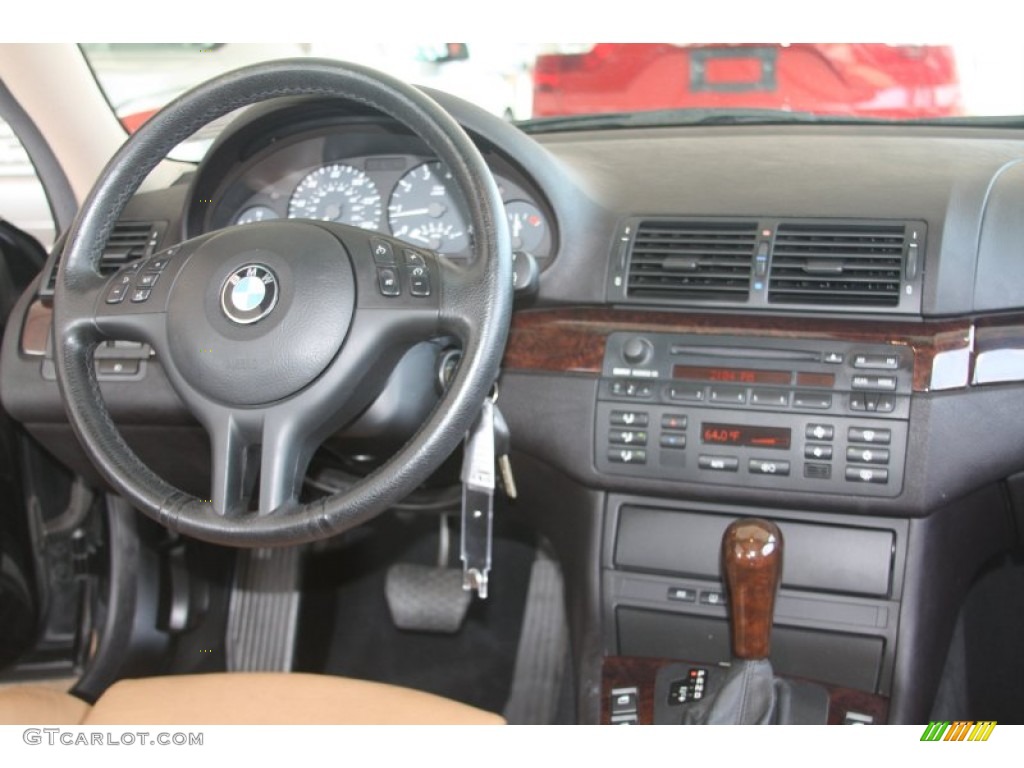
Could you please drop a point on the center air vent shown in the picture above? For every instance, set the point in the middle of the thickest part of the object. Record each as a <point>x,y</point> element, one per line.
<point>846,264</point>
<point>130,240</point>
<point>692,260</point>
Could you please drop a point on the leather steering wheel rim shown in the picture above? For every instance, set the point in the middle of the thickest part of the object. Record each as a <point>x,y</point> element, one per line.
<point>475,305</point>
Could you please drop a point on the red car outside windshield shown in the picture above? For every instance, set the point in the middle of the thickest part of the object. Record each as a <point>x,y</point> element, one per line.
<point>857,80</point>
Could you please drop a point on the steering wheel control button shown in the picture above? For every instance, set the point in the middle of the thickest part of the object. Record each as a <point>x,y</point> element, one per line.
<point>117,293</point>
<point>147,279</point>
<point>413,259</point>
<point>419,281</point>
<point>249,294</point>
<point>141,294</point>
<point>719,463</point>
<point>383,253</point>
<point>387,281</point>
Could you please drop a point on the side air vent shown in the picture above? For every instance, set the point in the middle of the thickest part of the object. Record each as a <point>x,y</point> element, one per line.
<point>845,264</point>
<point>691,260</point>
<point>130,240</point>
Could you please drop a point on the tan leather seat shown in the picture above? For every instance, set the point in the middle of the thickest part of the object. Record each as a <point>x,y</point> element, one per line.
<point>257,698</point>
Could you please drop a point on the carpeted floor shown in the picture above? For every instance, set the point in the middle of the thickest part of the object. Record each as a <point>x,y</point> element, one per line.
<point>345,627</point>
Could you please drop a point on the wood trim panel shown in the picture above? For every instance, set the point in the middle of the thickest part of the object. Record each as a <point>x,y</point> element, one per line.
<point>572,340</point>
<point>630,671</point>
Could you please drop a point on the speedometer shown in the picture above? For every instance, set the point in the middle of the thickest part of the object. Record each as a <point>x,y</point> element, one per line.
<point>338,193</point>
<point>423,212</point>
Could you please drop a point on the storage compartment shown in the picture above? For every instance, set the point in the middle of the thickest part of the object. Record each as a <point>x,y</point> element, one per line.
<point>838,559</point>
<point>848,660</point>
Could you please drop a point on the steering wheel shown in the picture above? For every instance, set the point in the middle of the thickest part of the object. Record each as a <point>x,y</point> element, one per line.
<point>276,334</point>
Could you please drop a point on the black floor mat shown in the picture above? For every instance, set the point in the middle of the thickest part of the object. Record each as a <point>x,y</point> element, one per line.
<point>345,628</point>
<point>994,637</point>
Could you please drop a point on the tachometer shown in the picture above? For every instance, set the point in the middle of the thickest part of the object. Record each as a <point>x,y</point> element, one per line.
<point>338,193</point>
<point>422,211</point>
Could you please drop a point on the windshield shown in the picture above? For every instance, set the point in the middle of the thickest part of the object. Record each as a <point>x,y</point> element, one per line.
<point>530,81</point>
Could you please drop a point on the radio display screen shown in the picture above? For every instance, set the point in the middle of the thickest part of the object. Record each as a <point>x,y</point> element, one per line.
<point>730,375</point>
<point>738,434</point>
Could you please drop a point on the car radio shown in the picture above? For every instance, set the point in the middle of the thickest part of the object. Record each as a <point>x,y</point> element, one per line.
<point>792,414</point>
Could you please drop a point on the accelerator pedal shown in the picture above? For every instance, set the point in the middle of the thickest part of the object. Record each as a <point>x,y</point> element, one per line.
<point>263,612</point>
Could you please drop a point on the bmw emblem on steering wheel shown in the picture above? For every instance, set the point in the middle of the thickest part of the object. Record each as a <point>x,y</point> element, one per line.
<point>249,294</point>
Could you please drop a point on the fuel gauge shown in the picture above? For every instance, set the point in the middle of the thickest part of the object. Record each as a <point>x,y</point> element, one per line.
<point>526,225</point>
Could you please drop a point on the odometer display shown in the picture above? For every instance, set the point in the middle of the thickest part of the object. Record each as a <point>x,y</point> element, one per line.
<point>737,434</point>
<point>730,375</point>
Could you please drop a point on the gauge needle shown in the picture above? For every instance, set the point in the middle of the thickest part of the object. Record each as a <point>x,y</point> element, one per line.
<point>434,209</point>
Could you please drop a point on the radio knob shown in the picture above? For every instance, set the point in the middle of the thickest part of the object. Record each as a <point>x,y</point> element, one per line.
<point>637,350</point>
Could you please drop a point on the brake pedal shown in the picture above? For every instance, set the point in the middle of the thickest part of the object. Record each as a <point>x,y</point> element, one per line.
<point>425,598</point>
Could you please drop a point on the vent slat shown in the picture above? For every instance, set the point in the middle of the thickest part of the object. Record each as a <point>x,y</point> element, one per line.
<point>848,263</point>
<point>128,242</point>
<point>677,260</point>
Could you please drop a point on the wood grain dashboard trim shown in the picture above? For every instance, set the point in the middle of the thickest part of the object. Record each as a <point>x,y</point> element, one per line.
<point>572,340</point>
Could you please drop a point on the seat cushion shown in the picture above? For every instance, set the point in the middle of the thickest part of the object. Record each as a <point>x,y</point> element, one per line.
<point>269,698</point>
<point>39,705</point>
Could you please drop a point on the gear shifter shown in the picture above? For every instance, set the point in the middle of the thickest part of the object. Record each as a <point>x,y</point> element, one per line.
<point>750,694</point>
<point>752,564</point>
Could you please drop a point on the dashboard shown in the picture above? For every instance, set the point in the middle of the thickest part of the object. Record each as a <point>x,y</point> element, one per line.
<point>819,324</point>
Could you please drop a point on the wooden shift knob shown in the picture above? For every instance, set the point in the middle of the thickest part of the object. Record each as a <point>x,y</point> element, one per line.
<point>752,564</point>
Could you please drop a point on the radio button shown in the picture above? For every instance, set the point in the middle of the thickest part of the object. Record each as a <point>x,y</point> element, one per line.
<point>778,398</point>
<point>812,400</point>
<point>631,389</point>
<point>874,383</point>
<point>857,402</point>
<point>819,432</point>
<point>627,437</point>
<point>676,421</point>
<point>861,435</point>
<point>819,452</point>
<point>867,475</point>
<point>629,418</point>
<point>627,456</point>
<point>886,404</point>
<point>833,358</point>
<point>682,392</point>
<point>672,441</point>
<point>868,455</point>
<point>768,467</point>
<point>719,463</point>
<point>729,395</point>
<point>879,362</point>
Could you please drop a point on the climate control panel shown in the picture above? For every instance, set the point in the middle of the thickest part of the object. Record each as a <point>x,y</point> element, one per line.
<point>795,415</point>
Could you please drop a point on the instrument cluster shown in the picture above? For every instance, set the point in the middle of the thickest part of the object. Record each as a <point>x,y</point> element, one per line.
<point>408,194</point>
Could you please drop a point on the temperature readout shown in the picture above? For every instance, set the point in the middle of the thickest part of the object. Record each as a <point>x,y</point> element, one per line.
<point>730,375</point>
<point>737,434</point>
